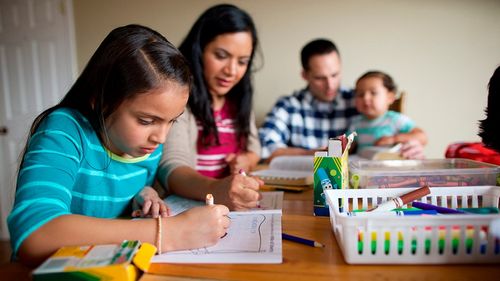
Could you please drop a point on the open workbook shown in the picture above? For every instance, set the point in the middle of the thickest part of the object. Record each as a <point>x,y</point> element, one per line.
<point>288,170</point>
<point>254,236</point>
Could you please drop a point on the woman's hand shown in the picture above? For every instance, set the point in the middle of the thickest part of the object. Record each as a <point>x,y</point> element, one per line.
<point>196,228</point>
<point>148,203</point>
<point>237,162</point>
<point>238,192</point>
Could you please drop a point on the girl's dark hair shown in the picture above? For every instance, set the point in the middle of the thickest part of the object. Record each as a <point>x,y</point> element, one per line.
<point>489,128</point>
<point>131,60</point>
<point>217,20</point>
<point>387,80</point>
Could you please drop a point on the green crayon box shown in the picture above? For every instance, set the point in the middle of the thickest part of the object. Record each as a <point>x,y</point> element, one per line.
<point>329,173</point>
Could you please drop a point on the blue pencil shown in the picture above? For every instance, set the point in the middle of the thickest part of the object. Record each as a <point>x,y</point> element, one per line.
<point>301,240</point>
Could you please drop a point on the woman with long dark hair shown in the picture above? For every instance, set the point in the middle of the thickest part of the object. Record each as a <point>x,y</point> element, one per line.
<point>216,137</point>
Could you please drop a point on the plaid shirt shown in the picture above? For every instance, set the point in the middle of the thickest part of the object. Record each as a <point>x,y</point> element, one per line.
<point>300,120</point>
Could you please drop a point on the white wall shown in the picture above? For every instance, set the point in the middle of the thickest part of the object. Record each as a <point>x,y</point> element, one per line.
<point>441,52</point>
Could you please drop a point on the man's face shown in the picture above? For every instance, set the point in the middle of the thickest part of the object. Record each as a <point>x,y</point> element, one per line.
<point>323,76</point>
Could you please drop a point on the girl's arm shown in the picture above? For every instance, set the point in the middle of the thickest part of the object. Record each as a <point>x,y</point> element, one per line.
<point>195,228</point>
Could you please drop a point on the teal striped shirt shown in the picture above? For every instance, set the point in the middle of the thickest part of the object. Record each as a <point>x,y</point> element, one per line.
<point>370,130</point>
<point>67,170</point>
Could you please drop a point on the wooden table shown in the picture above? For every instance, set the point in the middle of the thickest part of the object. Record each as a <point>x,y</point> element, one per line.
<point>302,262</point>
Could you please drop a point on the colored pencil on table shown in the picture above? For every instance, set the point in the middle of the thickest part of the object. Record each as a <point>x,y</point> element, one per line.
<point>301,240</point>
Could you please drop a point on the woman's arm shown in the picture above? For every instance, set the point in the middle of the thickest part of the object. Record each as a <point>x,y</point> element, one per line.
<point>236,191</point>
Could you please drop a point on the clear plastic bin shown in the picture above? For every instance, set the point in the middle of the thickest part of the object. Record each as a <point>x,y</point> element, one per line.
<point>425,239</point>
<point>416,173</point>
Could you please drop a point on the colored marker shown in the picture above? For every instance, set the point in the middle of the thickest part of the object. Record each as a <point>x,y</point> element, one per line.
<point>392,213</point>
<point>404,199</point>
<point>301,240</point>
<point>439,209</point>
<point>483,210</point>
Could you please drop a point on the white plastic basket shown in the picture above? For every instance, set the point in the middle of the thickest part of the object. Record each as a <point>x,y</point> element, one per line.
<point>438,239</point>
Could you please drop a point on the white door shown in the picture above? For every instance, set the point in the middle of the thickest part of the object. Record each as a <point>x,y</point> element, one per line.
<point>37,67</point>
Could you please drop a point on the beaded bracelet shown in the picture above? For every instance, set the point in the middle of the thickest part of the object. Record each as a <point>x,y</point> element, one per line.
<point>158,235</point>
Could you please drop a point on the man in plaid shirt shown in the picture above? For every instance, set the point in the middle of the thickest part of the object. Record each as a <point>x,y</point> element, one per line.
<point>303,122</point>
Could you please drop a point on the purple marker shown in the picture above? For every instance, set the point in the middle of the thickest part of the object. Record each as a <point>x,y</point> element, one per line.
<point>441,210</point>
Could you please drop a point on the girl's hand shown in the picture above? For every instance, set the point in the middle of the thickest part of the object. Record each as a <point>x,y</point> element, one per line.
<point>196,228</point>
<point>148,203</point>
<point>238,192</point>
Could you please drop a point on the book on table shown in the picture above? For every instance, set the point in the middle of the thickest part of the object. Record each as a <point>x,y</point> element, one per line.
<point>288,171</point>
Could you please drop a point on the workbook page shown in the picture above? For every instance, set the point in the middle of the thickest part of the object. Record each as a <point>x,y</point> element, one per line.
<point>251,238</point>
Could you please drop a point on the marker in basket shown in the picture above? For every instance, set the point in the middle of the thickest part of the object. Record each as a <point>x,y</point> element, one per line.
<point>350,140</point>
<point>393,213</point>
<point>439,209</point>
<point>404,199</point>
<point>209,199</point>
<point>301,240</point>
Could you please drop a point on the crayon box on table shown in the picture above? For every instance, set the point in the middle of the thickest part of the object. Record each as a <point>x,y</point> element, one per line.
<point>329,173</point>
<point>98,262</point>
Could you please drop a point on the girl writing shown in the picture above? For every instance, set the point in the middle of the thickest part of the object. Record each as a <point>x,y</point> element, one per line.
<point>88,157</point>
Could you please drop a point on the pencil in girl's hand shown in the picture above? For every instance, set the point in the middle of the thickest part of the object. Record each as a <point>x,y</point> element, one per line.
<point>209,199</point>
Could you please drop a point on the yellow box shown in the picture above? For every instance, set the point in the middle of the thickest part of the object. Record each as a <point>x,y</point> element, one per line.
<point>97,262</point>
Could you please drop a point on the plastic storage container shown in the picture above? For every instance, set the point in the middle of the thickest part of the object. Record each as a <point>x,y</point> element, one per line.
<point>415,173</point>
<point>425,239</point>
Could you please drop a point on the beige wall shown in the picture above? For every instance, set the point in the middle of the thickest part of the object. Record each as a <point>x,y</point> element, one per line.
<point>441,52</point>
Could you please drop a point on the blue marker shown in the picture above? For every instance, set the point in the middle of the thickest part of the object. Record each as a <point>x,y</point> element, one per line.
<point>439,209</point>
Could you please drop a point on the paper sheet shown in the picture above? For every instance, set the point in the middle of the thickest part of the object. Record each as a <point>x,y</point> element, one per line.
<point>271,201</point>
<point>253,237</point>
